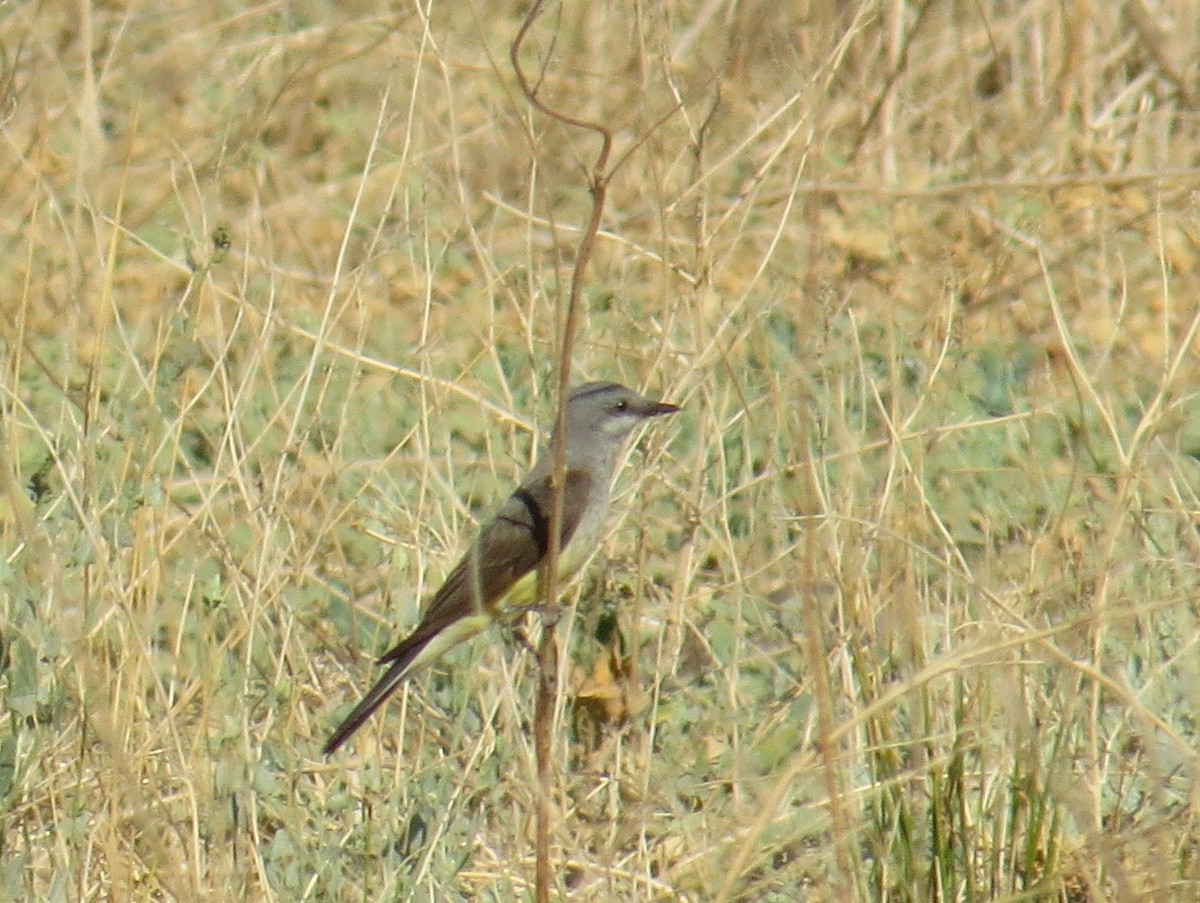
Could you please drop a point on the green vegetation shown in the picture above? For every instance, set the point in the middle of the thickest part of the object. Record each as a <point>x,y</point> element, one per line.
<point>902,607</point>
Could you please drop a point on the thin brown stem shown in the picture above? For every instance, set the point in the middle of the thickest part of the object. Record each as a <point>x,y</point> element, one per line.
<point>547,697</point>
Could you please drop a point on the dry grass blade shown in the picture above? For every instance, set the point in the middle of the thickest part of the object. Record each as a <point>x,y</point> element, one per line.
<point>903,605</point>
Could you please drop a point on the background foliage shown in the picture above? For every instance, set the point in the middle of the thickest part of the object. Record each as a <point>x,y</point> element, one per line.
<point>903,605</point>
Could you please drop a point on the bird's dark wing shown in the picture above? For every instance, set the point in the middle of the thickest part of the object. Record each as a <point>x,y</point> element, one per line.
<point>509,546</point>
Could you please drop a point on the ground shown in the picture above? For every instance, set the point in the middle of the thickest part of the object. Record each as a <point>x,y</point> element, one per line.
<point>901,606</point>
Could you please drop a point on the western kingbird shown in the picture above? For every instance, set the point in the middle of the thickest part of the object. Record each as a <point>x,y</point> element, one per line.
<point>498,576</point>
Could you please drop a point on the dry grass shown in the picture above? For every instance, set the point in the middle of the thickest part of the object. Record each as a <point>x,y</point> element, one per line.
<point>910,586</point>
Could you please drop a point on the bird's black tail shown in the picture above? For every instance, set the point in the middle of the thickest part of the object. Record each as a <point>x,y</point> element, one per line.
<point>399,660</point>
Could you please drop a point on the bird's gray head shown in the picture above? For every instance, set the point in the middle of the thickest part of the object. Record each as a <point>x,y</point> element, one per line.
<point>600,410</point>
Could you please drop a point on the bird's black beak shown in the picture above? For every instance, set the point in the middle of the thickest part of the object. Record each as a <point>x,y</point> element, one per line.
<point>659,408</point>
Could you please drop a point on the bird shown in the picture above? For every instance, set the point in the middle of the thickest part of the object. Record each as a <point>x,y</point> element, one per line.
<point>497,577</point>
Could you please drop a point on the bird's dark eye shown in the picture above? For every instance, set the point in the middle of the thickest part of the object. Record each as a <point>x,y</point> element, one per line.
<point>621,405</point>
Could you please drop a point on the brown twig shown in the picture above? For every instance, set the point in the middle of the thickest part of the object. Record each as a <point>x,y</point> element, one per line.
<point>890,84</point>
<point>547,697</point>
